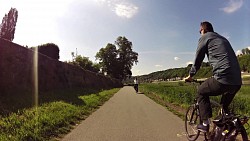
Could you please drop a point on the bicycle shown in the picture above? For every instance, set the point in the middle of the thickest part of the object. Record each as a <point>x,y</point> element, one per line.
<point>226,127</point>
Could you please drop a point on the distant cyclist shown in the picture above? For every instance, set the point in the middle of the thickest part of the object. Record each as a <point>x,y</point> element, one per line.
<point>226,78</point>
<point>136,84</point>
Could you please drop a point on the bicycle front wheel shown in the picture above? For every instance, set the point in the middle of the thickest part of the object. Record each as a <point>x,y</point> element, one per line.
<point>192,119</point>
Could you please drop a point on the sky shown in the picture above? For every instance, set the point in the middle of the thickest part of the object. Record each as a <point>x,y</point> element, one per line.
<point>164,33</point>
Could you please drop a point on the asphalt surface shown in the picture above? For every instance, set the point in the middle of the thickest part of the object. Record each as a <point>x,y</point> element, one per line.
<point>128,116</point>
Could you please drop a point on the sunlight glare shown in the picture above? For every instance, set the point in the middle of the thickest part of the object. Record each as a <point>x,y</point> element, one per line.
<point>36,18</point>
<point>35,77</point>
<point>35,84</point>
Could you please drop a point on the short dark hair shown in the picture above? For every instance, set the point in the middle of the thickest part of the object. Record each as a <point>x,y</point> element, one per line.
<point>207,26</point>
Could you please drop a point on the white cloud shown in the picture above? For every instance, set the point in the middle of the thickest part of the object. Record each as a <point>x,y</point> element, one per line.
<point>232,6</point>
<point>190,62</point>
<point>136,72</point>
<point>120,8</point>
<point>176,58</point>
<point>158,66</point>
<point>126,10</point>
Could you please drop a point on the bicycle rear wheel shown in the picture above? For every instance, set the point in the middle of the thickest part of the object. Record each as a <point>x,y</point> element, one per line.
<point>192,119</point>
<point>237,134</point>
<point>242,135</point>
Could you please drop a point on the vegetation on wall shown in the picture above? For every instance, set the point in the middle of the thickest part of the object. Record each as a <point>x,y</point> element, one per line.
<point>85,63</point>
<point>50,49</point>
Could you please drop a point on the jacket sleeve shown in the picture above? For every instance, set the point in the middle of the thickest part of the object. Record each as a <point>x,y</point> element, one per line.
<point>199,57</point>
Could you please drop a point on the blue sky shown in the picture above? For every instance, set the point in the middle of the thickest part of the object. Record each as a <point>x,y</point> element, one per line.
<point>163,32</point>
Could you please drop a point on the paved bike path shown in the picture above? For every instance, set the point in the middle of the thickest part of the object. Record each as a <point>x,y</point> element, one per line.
<point>128,116</point>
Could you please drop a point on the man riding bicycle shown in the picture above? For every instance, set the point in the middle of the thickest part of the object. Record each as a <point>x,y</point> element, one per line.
<point>226,80</point>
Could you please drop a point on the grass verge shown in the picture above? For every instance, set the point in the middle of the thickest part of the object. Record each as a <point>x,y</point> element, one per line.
<point>50,120</point>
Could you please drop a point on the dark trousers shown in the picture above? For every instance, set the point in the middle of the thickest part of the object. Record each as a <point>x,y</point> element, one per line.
<point>136,87</point>
<point>212,87</point>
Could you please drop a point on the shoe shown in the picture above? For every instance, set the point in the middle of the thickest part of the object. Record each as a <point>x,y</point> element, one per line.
<point>203,128</point>
<point>219,118</point>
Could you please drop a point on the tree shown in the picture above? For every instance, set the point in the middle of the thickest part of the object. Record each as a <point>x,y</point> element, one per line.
<point>244,68</point>
<point>73,56</point>
<point>245,51</point>
<point>8,25</point>
<point>127,57</point>
<point>108,59</point>
<point>117,60</point>
<point>244,62</point>
<point>205,64</point>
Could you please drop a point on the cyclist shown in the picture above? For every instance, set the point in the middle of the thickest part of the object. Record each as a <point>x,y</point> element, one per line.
<point>226,78</point>
<point>136,85</point>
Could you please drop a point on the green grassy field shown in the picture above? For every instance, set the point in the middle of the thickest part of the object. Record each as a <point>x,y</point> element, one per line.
<point>51,120</point>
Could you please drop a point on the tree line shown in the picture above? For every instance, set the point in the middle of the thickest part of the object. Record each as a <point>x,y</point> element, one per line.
<point>176,74</point>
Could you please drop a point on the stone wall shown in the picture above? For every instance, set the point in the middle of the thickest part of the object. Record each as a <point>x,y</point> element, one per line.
<point>17,69</point>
